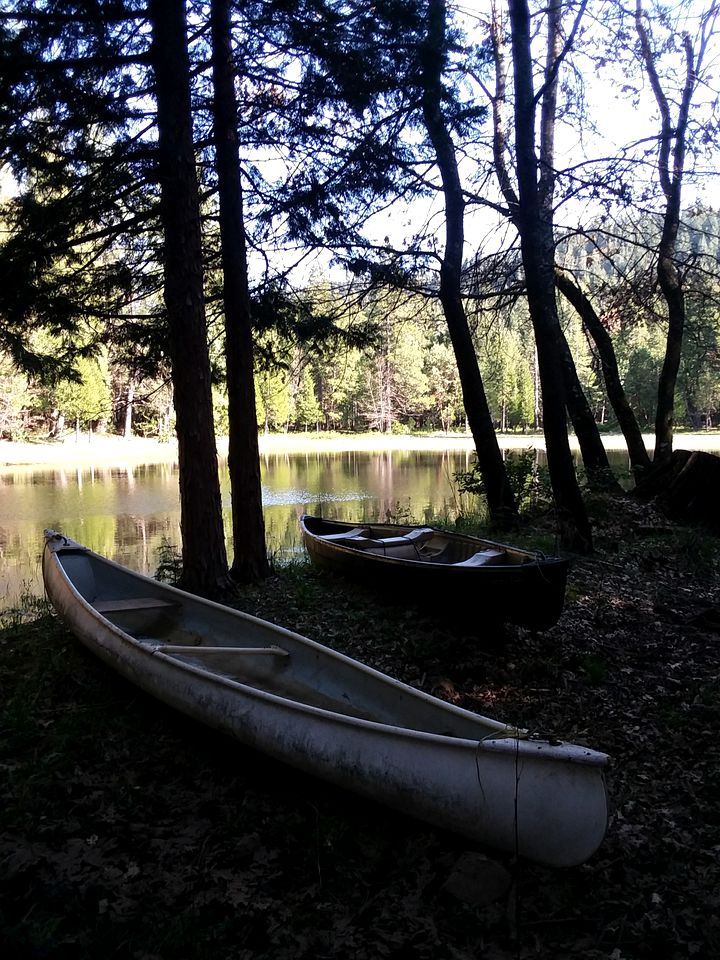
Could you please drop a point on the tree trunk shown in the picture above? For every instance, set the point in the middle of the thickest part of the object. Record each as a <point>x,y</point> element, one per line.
<point>639,457</point>
<point>249,550</point>
<point>129,401</point>
<point>203,546</point>
<point>538,256</point>
<point>540,180</point>
<point>500,497</point>
<point>594,456</point>
<point>671,169</point>
<point>671,286</point>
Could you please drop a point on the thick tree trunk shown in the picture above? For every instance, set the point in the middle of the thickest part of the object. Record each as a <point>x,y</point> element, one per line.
<point>538,255</point>
<point>637,451</point>
<point>203,547</point>
<point>249,553</point>
<point>500,497</point>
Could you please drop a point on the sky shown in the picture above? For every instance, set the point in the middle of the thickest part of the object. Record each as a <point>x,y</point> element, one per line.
<point>625,114</point>
<point>621,119</point>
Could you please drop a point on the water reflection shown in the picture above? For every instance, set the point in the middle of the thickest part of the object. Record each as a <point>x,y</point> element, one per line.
<point>127,512</point>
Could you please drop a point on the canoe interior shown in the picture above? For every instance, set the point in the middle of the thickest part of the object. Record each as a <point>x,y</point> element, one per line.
<point>258,654</point>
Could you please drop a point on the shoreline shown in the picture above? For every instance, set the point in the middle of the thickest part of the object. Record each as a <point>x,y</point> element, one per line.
<point>117,451</point>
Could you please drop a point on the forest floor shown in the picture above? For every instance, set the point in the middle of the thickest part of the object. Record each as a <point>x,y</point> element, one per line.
<point>130,832</point>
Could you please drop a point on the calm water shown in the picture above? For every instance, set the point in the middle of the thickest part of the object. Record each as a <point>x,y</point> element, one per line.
<point>126,513</point>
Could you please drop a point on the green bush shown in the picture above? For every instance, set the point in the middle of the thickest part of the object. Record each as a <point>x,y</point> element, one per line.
<point>530,482</point>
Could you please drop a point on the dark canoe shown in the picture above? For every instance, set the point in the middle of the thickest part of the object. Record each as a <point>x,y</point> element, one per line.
<point>466,575</point>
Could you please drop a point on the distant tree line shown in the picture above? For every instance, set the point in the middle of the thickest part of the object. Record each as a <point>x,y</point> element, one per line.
<point>405,377</point>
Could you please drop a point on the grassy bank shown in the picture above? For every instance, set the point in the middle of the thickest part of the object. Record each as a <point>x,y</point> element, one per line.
<point>118,451</point>
<point>130,832</point>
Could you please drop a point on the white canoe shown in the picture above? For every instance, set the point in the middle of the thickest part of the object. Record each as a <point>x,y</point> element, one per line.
<point>329,715</point>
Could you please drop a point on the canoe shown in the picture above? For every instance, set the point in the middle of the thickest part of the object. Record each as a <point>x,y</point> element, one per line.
<point>483,579</point>
<point>328,715</point>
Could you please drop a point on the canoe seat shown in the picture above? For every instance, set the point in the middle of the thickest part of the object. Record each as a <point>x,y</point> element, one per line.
<point>420,534</point>
<point>346,534</point>
<point>412,538</point>
<point>398,551</point>
<point>130,603</point>
<point>484,558</point>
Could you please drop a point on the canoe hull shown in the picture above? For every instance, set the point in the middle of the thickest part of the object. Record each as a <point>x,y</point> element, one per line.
<point>529,594</point>
<point>542,801</point>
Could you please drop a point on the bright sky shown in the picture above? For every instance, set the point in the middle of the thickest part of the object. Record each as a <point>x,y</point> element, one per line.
<point>620,103</point>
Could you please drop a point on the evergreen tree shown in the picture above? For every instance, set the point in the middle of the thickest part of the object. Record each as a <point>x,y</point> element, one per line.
<point>443,385</point>
<point>307,409</point>
<point>86,400</point>
<point>88,229</point>
<point>250,553</point>
<point>204,557</point>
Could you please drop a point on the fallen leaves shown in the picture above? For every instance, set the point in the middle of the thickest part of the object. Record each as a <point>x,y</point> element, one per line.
<point>130,832</point>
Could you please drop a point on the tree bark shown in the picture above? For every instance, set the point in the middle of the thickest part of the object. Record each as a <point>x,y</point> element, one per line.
<point>684,487</point>
<point>500,497</point>
<point>639,457</point>
<point>249,550</point>
<point>534,220</point>
<point>203,540</point>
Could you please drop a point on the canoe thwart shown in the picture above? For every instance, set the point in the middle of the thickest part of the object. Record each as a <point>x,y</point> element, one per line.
<point>187,649</point>
<point>130,603</point>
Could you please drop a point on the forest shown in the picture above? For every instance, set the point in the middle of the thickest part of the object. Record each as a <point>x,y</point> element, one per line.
<point>249,214</point>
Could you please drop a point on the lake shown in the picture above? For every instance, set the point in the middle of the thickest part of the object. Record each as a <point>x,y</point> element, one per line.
<point>127,512</point>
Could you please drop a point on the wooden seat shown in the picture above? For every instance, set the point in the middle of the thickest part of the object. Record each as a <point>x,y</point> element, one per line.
<point>130,603</point>
<point>345,534</point>
<point>381,544</point>
<point>484,558</point>
<point>420,534</point>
